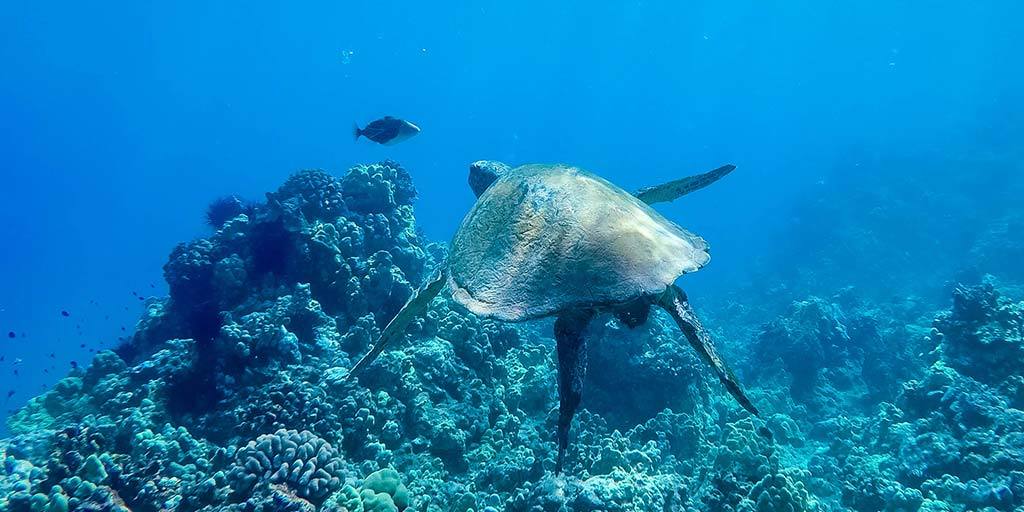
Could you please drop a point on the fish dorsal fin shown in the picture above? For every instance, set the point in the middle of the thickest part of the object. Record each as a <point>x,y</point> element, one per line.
<point>675,189</point>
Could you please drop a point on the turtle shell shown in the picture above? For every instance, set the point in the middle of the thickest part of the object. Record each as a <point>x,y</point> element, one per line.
<point>549,238</point>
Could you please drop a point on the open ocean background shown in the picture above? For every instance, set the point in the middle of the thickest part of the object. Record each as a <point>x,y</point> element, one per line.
<point>878,144</point>
<point>122,120</point>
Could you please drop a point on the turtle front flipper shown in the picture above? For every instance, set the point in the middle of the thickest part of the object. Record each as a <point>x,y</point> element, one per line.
<point>396,327</point>
<point>571,345</point>
<point>675,189</point>
<point>675,303</point>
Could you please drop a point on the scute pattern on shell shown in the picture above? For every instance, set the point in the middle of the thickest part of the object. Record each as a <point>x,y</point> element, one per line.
<point>546,238</point>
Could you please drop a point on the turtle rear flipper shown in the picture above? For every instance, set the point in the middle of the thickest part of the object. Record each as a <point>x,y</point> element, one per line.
<point>396,327</point>
<point>675,303</point>
<point>677,188</point>
<point>571,344</point>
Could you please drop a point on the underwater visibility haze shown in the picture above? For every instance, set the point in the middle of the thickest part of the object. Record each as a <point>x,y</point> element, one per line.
<point>581,256</point>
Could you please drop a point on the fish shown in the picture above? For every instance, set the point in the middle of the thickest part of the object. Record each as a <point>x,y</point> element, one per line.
<point>11,334</point>
<point>387,131</point>
<point>64,313</point>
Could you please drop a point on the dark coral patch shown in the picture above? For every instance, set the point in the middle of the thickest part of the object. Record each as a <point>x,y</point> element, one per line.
<point>223,209</point>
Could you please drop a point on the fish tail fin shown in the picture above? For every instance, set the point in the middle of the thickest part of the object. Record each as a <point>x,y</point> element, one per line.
<point>356,132</point>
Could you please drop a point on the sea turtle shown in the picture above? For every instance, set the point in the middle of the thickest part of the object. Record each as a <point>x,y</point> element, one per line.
<point>555,240</point>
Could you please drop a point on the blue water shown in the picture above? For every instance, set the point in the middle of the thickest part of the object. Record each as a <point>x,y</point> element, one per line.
<point>120,121</point>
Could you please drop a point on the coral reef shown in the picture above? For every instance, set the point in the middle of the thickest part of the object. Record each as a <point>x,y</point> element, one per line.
<point>308,465</point>
<point>983,335</point>
<point>232,395</point>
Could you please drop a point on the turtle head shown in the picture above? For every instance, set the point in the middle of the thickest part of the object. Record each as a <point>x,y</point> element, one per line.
<point>484,172</point>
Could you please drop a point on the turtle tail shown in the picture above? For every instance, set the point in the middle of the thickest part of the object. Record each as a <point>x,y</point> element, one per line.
<point>356,132</point>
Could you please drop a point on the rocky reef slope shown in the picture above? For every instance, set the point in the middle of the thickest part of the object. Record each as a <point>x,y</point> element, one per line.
<point>230,396</point>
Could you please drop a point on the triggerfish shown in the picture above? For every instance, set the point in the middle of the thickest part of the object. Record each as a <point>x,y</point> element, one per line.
<point>387,131</point>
